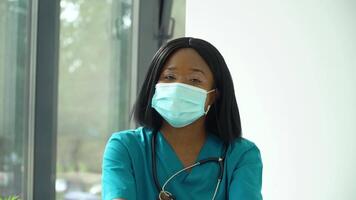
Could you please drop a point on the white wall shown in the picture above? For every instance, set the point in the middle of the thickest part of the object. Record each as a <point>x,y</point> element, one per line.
<point>294,70</point>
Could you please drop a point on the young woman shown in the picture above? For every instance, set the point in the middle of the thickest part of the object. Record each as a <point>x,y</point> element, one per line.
<point>189,145</point>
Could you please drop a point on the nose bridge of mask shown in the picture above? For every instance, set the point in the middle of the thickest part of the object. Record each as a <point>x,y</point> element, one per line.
<point>180,90</point>
<point>176,84</point>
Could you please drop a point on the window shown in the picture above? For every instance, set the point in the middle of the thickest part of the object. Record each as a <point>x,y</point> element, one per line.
<point>94,89</point>
<point>14,76</point>
<point>104,51</point>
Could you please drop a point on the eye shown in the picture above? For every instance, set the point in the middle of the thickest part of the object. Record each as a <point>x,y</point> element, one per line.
<point>195,81</point>
<point>169,77</point>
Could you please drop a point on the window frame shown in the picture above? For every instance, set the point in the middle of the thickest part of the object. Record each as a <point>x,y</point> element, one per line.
<point>43,83</point>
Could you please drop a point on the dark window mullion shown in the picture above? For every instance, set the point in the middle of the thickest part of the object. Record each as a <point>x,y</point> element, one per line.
<point>46,99</point>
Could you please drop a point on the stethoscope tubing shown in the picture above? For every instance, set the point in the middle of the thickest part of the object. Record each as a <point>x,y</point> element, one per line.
<point>219,160</point>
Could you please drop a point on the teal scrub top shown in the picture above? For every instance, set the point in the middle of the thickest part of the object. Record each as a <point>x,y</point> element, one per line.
<point>127,169</point>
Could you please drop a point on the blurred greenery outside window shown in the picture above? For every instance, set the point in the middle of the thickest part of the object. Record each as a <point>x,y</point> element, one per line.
<point>94,87</point>
<point>94,96</point>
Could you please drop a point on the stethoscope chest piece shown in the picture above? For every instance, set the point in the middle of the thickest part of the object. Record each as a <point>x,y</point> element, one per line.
<point>165,195</point>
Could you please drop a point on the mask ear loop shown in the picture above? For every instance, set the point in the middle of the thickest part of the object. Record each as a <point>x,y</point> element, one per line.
<point>207,110</point>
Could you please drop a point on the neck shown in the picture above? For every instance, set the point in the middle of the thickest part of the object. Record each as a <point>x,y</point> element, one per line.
<point>188,136</point>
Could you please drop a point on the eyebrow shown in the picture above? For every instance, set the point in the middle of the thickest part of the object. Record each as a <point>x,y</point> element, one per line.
<point>172,68</point>
<point>198,70</point>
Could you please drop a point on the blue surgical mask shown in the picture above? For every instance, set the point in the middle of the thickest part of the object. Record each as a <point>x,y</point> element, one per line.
<point>179,104</point>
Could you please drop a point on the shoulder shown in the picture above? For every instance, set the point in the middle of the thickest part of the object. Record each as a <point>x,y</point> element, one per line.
<point>139,133</point>
<point>243,151</point>
<point>242,144</point>
<point>129,134</point>
<point>128,144</point>
<point>244,170</point>
<point>131,137</point>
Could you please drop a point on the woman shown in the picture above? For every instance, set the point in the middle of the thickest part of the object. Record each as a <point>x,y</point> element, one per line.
<point>189,145</point>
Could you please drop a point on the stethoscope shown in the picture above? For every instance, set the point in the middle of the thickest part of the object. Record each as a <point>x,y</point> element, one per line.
<point>163,193</point>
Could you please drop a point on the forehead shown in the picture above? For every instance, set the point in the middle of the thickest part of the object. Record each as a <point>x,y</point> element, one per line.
<point>186,59</point>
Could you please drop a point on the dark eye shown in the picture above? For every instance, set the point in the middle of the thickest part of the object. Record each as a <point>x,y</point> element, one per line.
<point>169,77</point>
<point>196,81</point>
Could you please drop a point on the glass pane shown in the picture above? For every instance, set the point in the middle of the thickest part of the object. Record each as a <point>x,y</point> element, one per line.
<point>178,15</point>
<point>14,66</point>
<point>94,82</point>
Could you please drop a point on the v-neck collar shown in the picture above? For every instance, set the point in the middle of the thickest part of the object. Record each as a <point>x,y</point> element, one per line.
<point>171,160</point>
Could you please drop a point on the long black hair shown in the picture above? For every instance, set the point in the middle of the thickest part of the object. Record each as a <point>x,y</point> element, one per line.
<point>223,118</point>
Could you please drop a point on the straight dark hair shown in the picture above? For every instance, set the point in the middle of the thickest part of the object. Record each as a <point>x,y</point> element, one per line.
<point>223,118</point>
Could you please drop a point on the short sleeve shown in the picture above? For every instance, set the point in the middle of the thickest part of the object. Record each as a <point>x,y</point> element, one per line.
<point>117,174</point>
<point>246,180</point>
